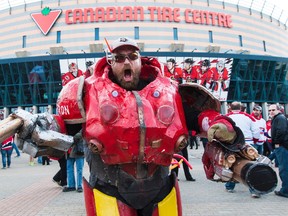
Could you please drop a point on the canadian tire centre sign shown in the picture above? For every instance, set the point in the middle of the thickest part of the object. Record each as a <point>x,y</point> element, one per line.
<point>47,17</point>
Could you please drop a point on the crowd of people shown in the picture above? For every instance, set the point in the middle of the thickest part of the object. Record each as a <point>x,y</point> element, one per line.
<point>213,78</point>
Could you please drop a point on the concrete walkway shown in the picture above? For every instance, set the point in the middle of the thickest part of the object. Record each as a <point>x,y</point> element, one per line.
<point>29,190</point>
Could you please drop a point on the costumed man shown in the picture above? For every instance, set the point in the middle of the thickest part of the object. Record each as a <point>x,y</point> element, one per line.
<point>219,77</point>
<point>187,70</point>
<point>71,74</point>
<point>203,73</point>
<point>133,120</point>
<point>172,71</point>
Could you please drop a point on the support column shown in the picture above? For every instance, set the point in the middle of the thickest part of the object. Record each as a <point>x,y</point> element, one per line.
<point>50,109</point>
<point>265,110</point>
<point>286,109</point>
<point>251,106</point>
<point>35,109</point>
<point>224,108</point>
<point>6,112</point>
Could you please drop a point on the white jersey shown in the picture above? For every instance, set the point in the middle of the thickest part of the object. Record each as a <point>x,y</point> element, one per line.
<point>247,124</point>
<point>262,127</point>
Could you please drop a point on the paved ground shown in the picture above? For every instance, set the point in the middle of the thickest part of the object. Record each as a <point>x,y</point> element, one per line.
<point>28,190</point>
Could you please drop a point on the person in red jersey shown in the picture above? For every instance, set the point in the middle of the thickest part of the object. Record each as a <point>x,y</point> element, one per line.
<point>220,77</point>
<point>203,74</point>
<point>172,71</point>
<point>188,70</point>
<point>71,74</point>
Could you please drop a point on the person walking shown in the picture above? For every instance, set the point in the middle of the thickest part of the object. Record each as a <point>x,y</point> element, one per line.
<point>257,114</point>
<point>251,131</point>
<point>75,156</point>
<point>6,152</point>
<point>60,177</point>
<point>14,146</point>
<point>188,176</point>
<point>279,134</point>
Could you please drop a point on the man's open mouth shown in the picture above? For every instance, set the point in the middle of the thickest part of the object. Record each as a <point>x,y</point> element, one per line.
<point>127,75</point>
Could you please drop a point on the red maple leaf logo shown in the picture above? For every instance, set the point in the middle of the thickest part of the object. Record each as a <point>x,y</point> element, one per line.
<point>46,19</point>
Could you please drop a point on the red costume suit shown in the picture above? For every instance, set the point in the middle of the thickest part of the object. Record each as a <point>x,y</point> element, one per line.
<point>132,135</point>
<point>218,79</point>
<point>202,78</point>
<point>67,77</point>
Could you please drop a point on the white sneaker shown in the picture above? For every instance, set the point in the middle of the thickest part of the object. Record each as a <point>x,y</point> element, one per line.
<point>230,190</point>
<point>253,195</point>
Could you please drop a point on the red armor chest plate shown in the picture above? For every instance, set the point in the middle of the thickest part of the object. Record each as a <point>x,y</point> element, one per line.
<point>134,126</point>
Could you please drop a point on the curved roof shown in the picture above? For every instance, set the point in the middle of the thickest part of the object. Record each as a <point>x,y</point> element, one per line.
<point>267,7</point>
<point>273,8</point>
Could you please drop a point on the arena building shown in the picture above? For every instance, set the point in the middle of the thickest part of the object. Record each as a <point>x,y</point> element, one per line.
<point>39,39</point>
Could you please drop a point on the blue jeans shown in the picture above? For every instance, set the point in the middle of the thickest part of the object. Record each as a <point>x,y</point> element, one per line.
<point>282,158</point>
<point>16,149</point>
<point>259,148</point>
<point>272,157</point>
<point>79,171</point>
<point>230,185</point>
<point>39,159</point>
<point>6,155</point>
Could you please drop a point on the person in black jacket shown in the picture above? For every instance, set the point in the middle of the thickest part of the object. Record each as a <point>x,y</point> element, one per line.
<point>279,134</point>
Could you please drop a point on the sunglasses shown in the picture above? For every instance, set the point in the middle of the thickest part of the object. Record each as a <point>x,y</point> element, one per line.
<point>271,110</point>
<point>120,58</point>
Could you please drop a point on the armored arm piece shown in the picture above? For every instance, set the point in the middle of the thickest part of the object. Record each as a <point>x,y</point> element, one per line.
<point>9,126</point>
<point>233,160</point>
<point>226,155</point>
<point>36,134</point>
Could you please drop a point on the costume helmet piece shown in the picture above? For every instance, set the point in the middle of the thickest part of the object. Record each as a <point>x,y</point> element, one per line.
<point>206,63</point>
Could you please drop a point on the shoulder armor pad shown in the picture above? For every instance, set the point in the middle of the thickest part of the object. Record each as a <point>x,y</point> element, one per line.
<point>70,104</point>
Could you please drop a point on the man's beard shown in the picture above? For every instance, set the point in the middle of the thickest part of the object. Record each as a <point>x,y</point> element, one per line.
<point>132,85</point>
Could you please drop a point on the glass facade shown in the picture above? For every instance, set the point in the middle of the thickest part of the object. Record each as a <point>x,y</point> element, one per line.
<point>259,81</point>
<point>29,83</point>
<point>36,81</point>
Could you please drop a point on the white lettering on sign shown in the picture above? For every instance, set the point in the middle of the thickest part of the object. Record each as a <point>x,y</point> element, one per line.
<point>152,13</point>
<point>63,110</point>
